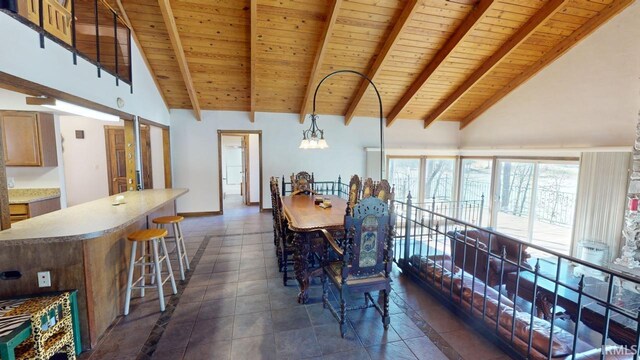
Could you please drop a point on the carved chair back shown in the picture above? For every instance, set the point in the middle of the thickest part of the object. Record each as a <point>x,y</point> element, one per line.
<point>279,220</point>
<point>354,193</point>
<point>302,182</point>
<point>367,188</point>
<point>384,192</point>
<point>369,231</point>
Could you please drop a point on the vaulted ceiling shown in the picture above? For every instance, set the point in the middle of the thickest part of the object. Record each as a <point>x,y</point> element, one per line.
<point>430,59</point>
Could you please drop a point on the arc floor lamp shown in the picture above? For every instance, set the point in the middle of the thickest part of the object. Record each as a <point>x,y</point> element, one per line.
<point>313,138</point>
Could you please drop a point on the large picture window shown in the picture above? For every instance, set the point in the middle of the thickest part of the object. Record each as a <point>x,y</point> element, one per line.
<point>405,177</point>
<point>475,190</point>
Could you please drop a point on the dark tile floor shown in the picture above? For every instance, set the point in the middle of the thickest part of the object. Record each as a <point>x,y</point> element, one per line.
<point>233,305</point>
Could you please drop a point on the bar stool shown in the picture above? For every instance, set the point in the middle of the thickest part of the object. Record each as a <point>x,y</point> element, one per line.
<point>154,259</point>
<point>181,250</point>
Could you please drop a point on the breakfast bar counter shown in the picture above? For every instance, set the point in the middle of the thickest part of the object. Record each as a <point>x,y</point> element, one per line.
<point>84,247</point>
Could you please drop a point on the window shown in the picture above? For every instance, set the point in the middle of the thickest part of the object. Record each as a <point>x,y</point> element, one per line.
<point>475,191</point>
<point>535,202</point>
<point>439,179</point>
<point>405,177</point>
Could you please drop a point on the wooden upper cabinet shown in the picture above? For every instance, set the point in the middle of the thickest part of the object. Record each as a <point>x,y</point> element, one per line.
<point>29,138</point>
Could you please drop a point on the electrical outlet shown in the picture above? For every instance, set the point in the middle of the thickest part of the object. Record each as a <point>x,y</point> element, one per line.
<point>44,279</point>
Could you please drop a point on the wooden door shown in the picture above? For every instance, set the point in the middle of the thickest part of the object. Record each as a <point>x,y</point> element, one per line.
<point>145,146</point>
<point>21,140</point>
<point>116,159</point>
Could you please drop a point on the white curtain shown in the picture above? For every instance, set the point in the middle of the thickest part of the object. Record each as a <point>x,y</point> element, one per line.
<point>601,202</point>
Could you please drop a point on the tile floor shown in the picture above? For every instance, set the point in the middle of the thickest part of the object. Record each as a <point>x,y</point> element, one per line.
<point>233,305</point>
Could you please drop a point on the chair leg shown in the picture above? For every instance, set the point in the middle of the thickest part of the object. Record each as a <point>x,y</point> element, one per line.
<point>156,263</point>
<point>168,262</point>
<point>325,289</point>
<point>132,260</point>
<point>143,270</point>
<point>285,274</point>
<point>343,312</point>
<point>184,248</point>
<point>176,238</point>
<point>386,320</point>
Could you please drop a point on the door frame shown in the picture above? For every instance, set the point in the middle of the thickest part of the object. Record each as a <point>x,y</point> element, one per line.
<point>238,133</point>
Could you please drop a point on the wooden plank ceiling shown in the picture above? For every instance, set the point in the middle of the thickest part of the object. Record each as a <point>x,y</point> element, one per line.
<point>430,59</point>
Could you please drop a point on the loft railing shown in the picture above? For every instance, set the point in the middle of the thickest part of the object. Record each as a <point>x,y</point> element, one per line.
<point>575,308</point>
<point>90,29</point>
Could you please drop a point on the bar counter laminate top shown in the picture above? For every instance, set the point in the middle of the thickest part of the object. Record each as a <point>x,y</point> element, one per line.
<point>27,196</point>
<point>89,220</point>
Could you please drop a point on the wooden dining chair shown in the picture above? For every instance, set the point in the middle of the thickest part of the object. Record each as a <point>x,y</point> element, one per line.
<point>284,242</point>
<point>275,193</point>
<point>364,260</point>
<point>302,183</point>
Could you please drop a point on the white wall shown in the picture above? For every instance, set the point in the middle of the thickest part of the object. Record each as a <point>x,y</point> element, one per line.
<point>34,177</point>
<point>254,168</point>
<point>85,160</point>
<point>195,148</point>
<point>53,67</point>
<point>589,97</point>
<point>157,157</point>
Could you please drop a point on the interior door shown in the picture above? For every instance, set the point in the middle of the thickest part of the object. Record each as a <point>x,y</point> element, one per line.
<point>116,159</point>
<point>145,146</point>
<point>245,169</point>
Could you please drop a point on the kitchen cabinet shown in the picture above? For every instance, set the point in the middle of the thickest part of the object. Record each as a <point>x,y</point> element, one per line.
<point>22,211</point>
<point>28,138</point>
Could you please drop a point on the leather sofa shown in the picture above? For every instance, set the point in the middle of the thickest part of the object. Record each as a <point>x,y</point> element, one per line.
<point>469,293</point>
<point>472,249</point>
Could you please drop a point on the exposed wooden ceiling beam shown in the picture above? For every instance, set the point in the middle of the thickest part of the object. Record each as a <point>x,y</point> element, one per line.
<point>538,19</point>
<point>172,29</point>
<point>461,32</point>
<point>562,47</point>
<point>317,62</point>
<point>392,38</point>
<point>254,54</point>
<point>123,14</point>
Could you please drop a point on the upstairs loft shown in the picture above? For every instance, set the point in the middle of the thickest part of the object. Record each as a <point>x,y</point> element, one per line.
<point>90,29</point>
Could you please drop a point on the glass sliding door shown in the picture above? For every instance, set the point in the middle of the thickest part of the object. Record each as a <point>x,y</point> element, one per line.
<point>405,176</point>
<point>512,204</point>
<point>475,191</point>
<point>535,201</point>
<point>555,205</point>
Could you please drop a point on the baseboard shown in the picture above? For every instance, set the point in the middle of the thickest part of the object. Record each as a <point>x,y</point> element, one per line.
<point>267,210</point>
<point>200,213</point>
<point>254,203</point>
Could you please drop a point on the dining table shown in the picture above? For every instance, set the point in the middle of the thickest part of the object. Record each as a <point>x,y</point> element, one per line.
<point>305,220</point>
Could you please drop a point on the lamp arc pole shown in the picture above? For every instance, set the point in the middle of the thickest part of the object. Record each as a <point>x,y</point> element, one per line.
<point>379,103</point>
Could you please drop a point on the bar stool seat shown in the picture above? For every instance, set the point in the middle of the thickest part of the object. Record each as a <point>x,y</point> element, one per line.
<point>155,259</point>
<point>181,250</point>
<point>168,219</point>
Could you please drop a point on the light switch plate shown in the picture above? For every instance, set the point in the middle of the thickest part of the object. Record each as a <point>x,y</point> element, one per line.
<point>44,279</point>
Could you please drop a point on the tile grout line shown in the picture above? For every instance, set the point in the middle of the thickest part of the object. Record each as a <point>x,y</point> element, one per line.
<point>150,345</point>
<point>427,329</point>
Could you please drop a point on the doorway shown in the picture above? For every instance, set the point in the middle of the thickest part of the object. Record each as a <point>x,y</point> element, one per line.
<point>240,169</point>
<point>116,158</point>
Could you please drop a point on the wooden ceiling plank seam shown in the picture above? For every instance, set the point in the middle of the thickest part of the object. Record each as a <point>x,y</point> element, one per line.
<point>392,39</point>
<point>254,55</point>
<point>561,48</point>
<point>320,54</point>
<point>476,14</point>
<point>172,29</point>
<point>123,13</point>
<point>535,22</point>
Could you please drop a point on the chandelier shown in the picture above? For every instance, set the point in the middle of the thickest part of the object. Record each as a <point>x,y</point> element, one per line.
<point>313,137</point>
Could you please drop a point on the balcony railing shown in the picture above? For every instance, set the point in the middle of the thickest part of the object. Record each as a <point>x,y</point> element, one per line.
<point>533,302</point>
<point>90,29</point>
